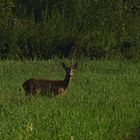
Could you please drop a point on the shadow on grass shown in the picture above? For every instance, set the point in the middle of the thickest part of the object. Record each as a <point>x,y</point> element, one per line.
<point>135,134</point>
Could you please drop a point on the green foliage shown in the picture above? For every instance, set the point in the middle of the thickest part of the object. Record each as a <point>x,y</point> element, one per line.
<point>102,102</point>
<point>91,28</point>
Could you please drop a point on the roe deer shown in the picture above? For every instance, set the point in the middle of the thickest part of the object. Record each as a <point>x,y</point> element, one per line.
<point>44,86</point>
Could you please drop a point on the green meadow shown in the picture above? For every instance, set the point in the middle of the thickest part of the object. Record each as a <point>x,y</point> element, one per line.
<point>102,102</point>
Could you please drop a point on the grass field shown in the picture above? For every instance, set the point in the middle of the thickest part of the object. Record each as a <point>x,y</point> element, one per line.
<point>102,103</point>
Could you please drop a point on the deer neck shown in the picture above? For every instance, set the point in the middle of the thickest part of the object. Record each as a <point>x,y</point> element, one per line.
<point>67,80</point>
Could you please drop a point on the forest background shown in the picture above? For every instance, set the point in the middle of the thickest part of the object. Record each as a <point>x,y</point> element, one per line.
<point>69,28</point>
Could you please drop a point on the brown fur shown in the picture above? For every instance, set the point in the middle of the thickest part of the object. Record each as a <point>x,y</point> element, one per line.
<point>43,86</point>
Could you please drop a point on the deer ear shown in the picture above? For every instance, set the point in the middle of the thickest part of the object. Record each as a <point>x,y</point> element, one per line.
<point>64,65</point>
<point>75,66</point>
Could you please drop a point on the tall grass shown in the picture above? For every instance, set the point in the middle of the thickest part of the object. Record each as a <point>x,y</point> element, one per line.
<point>102,102</point>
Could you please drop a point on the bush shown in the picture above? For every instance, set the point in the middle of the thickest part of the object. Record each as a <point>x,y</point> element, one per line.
<point>69,28</point>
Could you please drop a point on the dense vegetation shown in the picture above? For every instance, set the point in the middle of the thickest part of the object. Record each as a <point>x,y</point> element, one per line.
<point>46,28</point>
<point>103,99</point>
<point>102,103</point>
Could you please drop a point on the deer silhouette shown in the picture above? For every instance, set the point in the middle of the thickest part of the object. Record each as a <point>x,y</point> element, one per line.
<point>43,86</point>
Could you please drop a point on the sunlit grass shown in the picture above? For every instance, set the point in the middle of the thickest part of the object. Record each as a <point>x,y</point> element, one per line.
<point>102,102</point>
